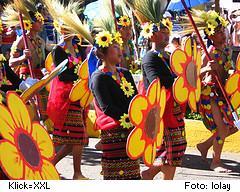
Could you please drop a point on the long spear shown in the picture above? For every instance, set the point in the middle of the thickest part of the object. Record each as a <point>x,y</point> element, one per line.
<point>25,43</point>
<point>234,114</point>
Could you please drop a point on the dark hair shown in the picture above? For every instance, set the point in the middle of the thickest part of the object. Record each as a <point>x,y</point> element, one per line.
<point>101,51</point>
<point>177,40</point>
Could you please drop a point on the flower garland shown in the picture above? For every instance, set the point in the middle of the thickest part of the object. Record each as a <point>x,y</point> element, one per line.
<point>128,91</point>
<point>76,62</point>
<point>37,43</point>
<point>219,59</point>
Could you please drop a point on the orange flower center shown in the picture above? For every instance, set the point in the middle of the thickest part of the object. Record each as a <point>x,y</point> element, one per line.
<point>191,74</point>
<point>152,122</point>
<point>28,149</point>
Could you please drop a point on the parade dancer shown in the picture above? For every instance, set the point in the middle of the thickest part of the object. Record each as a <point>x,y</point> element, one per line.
<point>33,22</point>
<point>213,107</point>
<point>155,64</point>
<point>68,117</point>
<point>113,88</point>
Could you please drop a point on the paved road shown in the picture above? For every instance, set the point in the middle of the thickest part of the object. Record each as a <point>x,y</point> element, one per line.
<point>192,169</point>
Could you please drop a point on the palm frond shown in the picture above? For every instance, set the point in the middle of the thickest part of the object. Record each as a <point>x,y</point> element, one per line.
<point>148,10</point>
<point>69,17</point>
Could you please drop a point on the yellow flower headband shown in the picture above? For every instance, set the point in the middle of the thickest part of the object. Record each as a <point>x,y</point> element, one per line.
<point>124,21</point>
<point>105,39</point>
<point>211,21</point>
<point>149,28</point>
<point>28,24</point>
<point>39,17</point>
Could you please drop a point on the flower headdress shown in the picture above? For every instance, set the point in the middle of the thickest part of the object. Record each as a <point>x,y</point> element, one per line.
<point>150,14</point>
<point>107,31</point>
<point>207,21</point>
<point>66,19</point>
<point>29,12</point>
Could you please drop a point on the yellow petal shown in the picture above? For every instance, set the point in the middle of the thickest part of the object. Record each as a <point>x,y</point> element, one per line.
<point>179,91</point>
<point>192,101</point>
<point>232,83</point>
<point>49,62</point>
<point>81,92</point>
<point>163,101</point>
<point>198,90</point>
<point>150,154</point>
<point>195,50</point>
<point>158,92</point>
<point>31,174</point>
<point>199,62</point>
<point>7,126</point>
<point>177,59</point>
<point>43,140</point>
<point>136,109</point>
<point>11,161</point>
<point>235,100</point>
<point>153,91</point>
<point>135,145</point>
<point>48,171</point>
<point>83,70</point>
<point>188,47</point>
<point>160,134</point>
<point>86,99</point>
<point>19,112</point>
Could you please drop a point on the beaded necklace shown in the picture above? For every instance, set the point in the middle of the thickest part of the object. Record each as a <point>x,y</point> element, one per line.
<point>74,60</point>
<point>37,43</point>
<point>107,72</point>
<point>218,56</point>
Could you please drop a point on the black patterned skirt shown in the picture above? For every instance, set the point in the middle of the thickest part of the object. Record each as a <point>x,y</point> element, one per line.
<point>116,165</point>
<point>74,130</point>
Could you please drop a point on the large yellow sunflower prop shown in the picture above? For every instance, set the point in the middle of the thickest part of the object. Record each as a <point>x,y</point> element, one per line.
<point>186,64</point>
<point>26,149</point>
<point>145,113</point>
<point>80,91</point>
<point>233,86</point>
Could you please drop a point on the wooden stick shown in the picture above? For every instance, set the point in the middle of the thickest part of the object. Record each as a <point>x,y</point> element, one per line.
<point>25,43</point>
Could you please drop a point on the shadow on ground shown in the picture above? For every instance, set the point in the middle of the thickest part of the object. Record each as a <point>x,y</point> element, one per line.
<point>195,162</point>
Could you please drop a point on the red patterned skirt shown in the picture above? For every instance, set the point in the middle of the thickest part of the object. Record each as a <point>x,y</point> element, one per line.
<point>74,130</point>
<point>174,143</point>
<point>116,165</point>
